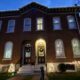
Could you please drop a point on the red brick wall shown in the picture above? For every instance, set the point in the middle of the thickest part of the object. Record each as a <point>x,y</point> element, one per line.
<point>48,35</point>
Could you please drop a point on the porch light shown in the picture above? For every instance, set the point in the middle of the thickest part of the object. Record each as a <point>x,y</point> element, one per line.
<point>50,67</point>
<point>11,69</point>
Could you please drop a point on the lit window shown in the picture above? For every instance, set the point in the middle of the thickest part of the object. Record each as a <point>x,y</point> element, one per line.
<point>71,22</point>
<point>59,49</point>
<point>27,24</point>
<point>39,24</point>
<point>11,26</point>
<point>8,50</point>
<point>56,23</point>
<point>76,47</point>
<point>0,24</point>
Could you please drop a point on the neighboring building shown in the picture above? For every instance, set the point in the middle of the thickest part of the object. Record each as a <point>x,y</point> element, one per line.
<point>39,35</point>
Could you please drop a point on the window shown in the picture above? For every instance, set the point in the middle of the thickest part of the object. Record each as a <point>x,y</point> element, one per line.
<point>71,22</point>
<point>56,23</point>
<point>27,24</point>
<point>76,47</point>
<point>59,49</point>
<point>11,26</point>
<point>8,50</point>
<point>39,24</point>
<point>0,24</point>
<point>79,14</point>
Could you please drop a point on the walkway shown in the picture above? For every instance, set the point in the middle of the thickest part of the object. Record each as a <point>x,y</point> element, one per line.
<point>20,77</point>
<point>17,78</point>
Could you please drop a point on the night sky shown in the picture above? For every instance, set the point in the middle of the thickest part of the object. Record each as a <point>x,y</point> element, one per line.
<point>16,4</point>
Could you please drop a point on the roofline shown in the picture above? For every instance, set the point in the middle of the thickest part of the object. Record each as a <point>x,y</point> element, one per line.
<point>36,3</point>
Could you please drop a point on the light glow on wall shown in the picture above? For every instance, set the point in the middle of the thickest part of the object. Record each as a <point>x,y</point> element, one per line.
<point>11,68</point>
<point>50,67</point>
<point>38,42</point>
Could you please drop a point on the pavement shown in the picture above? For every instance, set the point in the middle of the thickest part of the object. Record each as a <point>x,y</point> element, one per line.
<point>17,78</point>
<point>21,77</point>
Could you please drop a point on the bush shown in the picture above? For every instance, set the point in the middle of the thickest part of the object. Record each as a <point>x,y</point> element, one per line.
<point>62,67</point>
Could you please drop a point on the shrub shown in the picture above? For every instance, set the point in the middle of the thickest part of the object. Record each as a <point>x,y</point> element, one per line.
<point>62,67</point>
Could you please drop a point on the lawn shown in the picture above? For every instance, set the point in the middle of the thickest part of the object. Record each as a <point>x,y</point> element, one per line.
<point>28,78</point>
<point>5,76</point>
<point>51,76</point>
<point>64,76</point>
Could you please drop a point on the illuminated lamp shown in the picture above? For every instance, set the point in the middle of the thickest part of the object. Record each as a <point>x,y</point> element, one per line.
<point>11,69</point>
<point>50,67</point>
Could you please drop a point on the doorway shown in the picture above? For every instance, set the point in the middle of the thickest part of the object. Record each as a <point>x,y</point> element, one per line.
<point>27,51</point>
<point>40,48</point>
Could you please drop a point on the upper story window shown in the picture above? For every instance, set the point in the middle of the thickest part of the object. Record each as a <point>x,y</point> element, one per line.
<point>76,47</point>
<point>71,22</point>
<point>59,47</point>
<point>0,24</point>
<point>11,26</point>
<point>56,23</point>
<point>39,24</point>
<point>27,24</point>
<point>8,50</point>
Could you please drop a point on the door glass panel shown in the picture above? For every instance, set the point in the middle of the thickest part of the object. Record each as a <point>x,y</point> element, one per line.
<point>41,54</point>
<point>27,53</point>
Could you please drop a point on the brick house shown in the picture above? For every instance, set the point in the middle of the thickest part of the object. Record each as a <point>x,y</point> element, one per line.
<point>39,35</point>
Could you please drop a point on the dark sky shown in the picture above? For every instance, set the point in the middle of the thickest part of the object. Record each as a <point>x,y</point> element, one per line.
<point>16,4</point>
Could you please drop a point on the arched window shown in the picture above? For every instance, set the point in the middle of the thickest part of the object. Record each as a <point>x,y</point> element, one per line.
<point>8,50</point>
<point>59,47</point>
<point>76,47</point>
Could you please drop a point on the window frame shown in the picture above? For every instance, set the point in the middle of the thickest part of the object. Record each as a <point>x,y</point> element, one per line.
<point>63,49</point>
<point>59,23</point>
<point>10,45</point>
<point>74,54</point>
<point>29,25</point>
<point>0,25</point>
<point>41,24</point>
<point>11,30</point>
<point>70,23</point>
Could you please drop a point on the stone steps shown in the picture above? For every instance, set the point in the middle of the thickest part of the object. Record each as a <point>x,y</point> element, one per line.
<point>29,69</point>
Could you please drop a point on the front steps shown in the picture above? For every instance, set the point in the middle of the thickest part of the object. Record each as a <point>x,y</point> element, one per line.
<point>26,70</point>
<point>30,69</point>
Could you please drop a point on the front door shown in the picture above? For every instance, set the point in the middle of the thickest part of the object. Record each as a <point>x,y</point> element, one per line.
<point>27,53</point>
<point>40,46</point>
<point>41,54</point>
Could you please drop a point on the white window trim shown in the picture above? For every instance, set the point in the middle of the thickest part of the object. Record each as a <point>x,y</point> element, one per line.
<point>72,22</point>
<point>24,25</point>
<point>42,23</point>
<point>57,57</point>
<point>56,23</point>
<point>8,26</point>
<point>74,55</point>
<point>11,51</point>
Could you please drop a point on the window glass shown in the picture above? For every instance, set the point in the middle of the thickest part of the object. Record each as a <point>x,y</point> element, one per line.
<point>76,47</point>
<point>39,23</point>
<point>71,22</point>
<point>59,49</point>
<point>8,50</point>
<point>56,23</point>
<point>27,24</point>
<point>0,24</point>
<point>11,26</point>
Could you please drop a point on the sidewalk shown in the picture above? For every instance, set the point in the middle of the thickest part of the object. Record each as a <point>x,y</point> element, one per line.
<point>17,78</point>
<point>20,77</point>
